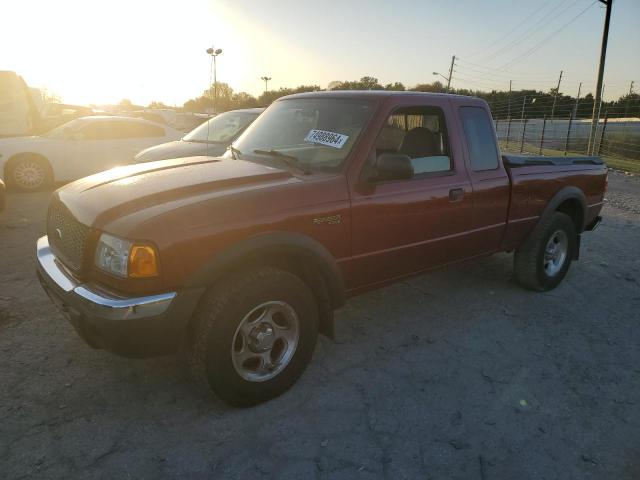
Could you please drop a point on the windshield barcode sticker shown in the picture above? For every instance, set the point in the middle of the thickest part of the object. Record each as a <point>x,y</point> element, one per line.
<point>330,139</point>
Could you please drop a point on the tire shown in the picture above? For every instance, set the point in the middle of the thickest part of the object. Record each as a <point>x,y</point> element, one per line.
<point>29,173</point>
<point>538,264</point>
<point>237,319</point>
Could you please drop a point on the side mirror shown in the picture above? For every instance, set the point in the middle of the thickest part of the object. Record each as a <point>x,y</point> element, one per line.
<point>392,166</point>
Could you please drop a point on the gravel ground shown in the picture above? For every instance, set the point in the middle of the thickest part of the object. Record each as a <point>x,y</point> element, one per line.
<point>454,374</point>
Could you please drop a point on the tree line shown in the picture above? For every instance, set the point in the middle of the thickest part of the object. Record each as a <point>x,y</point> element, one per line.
<point>527,103</point>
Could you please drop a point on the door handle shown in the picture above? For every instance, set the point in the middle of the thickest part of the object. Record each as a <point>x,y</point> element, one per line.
<point>456,194</point>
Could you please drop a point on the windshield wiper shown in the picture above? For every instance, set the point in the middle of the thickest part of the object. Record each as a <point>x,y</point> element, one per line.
<point>235,153</point>
<point>290,160</point>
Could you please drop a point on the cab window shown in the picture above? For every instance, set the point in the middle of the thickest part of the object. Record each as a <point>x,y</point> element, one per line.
<point>421,134</point>
<point>481,139</point>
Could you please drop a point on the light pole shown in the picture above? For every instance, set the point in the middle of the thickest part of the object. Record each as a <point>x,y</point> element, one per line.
<point>446,78</point>
<point>266,83</point>
<point>214,53</point>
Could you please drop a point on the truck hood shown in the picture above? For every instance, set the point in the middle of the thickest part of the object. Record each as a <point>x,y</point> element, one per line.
<point>99,199</point>
<point>179,149</point>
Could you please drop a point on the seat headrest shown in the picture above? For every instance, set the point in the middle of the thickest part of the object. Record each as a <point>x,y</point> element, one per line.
<point>419,142</point>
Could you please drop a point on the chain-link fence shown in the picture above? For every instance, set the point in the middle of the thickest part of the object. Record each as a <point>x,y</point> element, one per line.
<point>559,132</point>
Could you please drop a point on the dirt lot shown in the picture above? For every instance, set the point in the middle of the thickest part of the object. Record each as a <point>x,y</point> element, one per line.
<point>455,374</point>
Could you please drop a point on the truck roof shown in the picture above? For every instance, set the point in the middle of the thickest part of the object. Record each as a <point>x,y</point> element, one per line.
<point>380,94</point>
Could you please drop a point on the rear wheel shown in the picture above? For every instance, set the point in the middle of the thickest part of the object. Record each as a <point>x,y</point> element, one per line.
<point>253,335</point>
<point>543,260</point>
<point>29,173</point>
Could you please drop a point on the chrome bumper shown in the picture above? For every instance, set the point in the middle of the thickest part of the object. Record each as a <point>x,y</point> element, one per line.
<point>65,291</point>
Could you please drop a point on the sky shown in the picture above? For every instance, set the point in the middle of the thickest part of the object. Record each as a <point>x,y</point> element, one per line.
<point>91,52</point>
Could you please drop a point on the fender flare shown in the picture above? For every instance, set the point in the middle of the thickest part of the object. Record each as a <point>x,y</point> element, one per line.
<point>274,242</point>
<point>564,194</point>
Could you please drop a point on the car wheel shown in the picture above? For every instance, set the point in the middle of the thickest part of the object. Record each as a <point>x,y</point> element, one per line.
<point>253,335</point>
<point>544,258</point>
<point>29,174</point>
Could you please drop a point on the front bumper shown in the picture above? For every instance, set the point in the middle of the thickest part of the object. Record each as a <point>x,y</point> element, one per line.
<point>129,326</point>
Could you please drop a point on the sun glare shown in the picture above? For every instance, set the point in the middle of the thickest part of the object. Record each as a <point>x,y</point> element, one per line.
<point>97,53</point>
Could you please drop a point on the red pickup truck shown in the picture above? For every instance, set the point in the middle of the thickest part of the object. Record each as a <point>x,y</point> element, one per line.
<point>243,259</point>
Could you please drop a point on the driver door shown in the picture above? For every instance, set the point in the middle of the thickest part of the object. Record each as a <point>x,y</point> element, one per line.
<point>405,226</point>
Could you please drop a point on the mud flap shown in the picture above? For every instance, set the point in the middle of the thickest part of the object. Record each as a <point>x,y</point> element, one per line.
<point>327,325</point>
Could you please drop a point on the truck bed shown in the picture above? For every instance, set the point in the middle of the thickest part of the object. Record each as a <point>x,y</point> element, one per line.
<point>535,180</point>
<point>515,161</point>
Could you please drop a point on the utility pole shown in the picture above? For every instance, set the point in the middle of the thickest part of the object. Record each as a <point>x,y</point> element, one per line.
<point>555,96</point>
<point>266,83</point>
<point>599,109</point>
<point>603,56</point>
<point>448,79</point>
<point>453,61</point>
<point>575,109</point>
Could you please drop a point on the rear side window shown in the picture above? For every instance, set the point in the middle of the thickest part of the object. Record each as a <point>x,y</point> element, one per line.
<point>481,141</point>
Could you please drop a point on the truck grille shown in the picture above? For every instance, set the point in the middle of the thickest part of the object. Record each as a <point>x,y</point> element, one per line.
<point>67,236</point>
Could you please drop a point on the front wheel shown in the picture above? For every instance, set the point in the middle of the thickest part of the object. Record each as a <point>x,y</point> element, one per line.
<point>29,174</point>
<point>543,260</point>
<point>253,335</point>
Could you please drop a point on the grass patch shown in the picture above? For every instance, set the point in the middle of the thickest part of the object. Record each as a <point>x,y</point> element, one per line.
<point>631,166</point>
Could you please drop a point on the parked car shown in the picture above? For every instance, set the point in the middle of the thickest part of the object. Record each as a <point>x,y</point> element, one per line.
<point>326,195</point>
<point>76,149</point>
<point>210,138</point>
<point>19,115</point>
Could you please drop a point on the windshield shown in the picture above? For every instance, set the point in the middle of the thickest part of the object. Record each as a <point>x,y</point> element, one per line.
<point>318,132</point>
<point>222,128</point>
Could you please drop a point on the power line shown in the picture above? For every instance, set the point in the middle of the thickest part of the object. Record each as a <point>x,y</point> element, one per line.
<point>532,50</point>
<point>466,63</point>
<point>520,76</point>
<point>504,79</point>
<point>533,29</point>
<point>502,37</point>
<point>546,39</point>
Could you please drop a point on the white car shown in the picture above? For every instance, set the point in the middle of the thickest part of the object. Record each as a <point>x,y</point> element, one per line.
<point>76,149</point>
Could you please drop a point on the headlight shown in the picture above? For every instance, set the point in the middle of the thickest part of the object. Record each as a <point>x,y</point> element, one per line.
<point>125,259</point>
